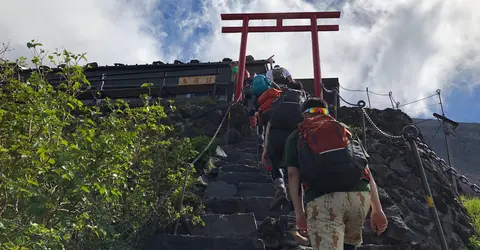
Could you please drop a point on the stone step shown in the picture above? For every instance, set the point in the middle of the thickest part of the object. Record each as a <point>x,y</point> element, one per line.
<point>252,151</point>
<point>363,247</point>
<point>221,189</point>
<point>227,225</point>
<point>383,247</point>
<point>248,161</point>
<point>240,168</point>
<point>251,189</point>
<point>257,205</point>
<point>189,242</point>
<point>245,144</point>
<point>236,177</point>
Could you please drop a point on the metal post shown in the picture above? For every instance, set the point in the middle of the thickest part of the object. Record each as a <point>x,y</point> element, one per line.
<point>447,145</point>
<point>361,104</point>
<point>242,59</point>
<point>391,101</point>
<point>335,102</point>
<point>411,132</point>
<point>368,97</point>
<point>317,74</point>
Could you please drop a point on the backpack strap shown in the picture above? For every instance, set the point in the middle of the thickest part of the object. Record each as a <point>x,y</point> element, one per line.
<point>355,137</point>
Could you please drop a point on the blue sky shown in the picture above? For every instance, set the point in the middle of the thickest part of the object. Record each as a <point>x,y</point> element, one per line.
<point>409,47</point>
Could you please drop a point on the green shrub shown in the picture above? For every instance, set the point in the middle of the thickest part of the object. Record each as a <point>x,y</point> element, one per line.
<point>472,205</point>
<point>77,178</point>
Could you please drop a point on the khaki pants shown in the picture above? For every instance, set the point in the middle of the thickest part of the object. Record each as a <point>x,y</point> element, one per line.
<point>337,218</point>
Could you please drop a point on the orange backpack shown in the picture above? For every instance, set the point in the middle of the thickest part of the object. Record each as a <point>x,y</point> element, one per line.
<point>265,101</point>
<point>331,157</point>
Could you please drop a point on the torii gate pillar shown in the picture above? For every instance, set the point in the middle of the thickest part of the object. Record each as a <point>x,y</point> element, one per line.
<point>313,28</point>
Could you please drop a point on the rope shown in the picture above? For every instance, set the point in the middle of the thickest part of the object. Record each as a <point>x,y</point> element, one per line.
<point>408,103</point>
<point>353,90</point>
<point>379,94</point>
<point>191,164</point>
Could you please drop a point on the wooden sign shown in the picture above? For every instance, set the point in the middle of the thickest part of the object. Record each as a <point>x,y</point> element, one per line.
<point>196,80</point>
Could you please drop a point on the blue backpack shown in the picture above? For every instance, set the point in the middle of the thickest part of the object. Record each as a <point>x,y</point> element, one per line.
<point>260,84</point>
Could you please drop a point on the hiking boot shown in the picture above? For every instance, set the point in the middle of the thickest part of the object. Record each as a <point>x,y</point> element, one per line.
<point>294,237</point>
<point>280,194</point>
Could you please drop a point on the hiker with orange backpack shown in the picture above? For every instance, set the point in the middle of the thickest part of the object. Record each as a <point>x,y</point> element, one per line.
<point>282,113</point>
<point>329,160</point>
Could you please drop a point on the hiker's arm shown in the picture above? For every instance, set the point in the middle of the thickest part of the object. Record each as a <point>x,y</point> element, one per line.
<point>375,200</point>
<point>294,189</point>
<point>265,145</point>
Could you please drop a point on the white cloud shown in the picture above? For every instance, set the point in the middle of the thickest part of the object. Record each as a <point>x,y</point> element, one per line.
<point>108,31</point>
<point>409,47</point>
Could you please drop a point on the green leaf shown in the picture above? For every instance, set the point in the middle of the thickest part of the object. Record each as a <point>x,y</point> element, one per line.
<point>85,189</point>
<point>33,182</point>
<point>51,161</point>
<point>147,85</point>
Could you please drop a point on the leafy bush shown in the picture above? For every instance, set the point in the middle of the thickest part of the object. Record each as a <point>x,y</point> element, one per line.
<point>75,177</point>
<point>472,205</point>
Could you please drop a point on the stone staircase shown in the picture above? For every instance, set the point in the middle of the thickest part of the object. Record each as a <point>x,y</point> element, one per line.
<point>237,217</point>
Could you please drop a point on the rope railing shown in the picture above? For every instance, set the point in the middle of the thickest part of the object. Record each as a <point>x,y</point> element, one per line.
<point>394,103</point>
<point>191,164</point>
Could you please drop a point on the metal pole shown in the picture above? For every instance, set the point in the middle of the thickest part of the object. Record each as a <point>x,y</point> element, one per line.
<point>317,74</point>
<point>411,132</point>
<point>335,102</point>
<point>391,101</point>
<point>447,145</point>
<point>368,97</point>
<point>242,59</point>
<point>361,104</point>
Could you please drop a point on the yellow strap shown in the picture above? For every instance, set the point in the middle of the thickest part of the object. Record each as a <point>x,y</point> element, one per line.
<point>430,201</point>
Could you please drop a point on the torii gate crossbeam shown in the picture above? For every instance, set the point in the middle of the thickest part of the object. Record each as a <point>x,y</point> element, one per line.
<point>279,17</point>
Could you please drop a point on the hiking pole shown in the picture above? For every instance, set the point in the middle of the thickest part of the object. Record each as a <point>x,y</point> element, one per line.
<point>410,133</point>
<point>361,104</point>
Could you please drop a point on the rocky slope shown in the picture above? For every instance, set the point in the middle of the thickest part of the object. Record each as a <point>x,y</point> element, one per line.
<point>465,147</point>
<point>236,194</point>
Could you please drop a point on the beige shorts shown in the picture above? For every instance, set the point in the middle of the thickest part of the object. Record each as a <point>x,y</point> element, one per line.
<point>337,218</point>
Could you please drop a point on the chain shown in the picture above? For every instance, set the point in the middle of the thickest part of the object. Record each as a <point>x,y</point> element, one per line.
<point>441,162</point>
<point>448,169</point>
<point>378,130</point>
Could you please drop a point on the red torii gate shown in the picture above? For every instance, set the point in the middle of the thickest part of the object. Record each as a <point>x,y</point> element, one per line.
<point>313,28</point>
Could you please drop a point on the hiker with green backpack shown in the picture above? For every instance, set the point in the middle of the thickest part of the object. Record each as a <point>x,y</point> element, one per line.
<point>325,156</point>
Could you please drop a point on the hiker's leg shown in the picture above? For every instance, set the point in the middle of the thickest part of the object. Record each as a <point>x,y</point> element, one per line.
<point>325,221</point>
<point>276,155</point>
<point>355,217</point>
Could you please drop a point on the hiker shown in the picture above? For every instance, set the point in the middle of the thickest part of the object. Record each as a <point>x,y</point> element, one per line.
<point>234,66</point>
<point>279,75</point>
<point>337,202</point>
<point>284,115</point>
